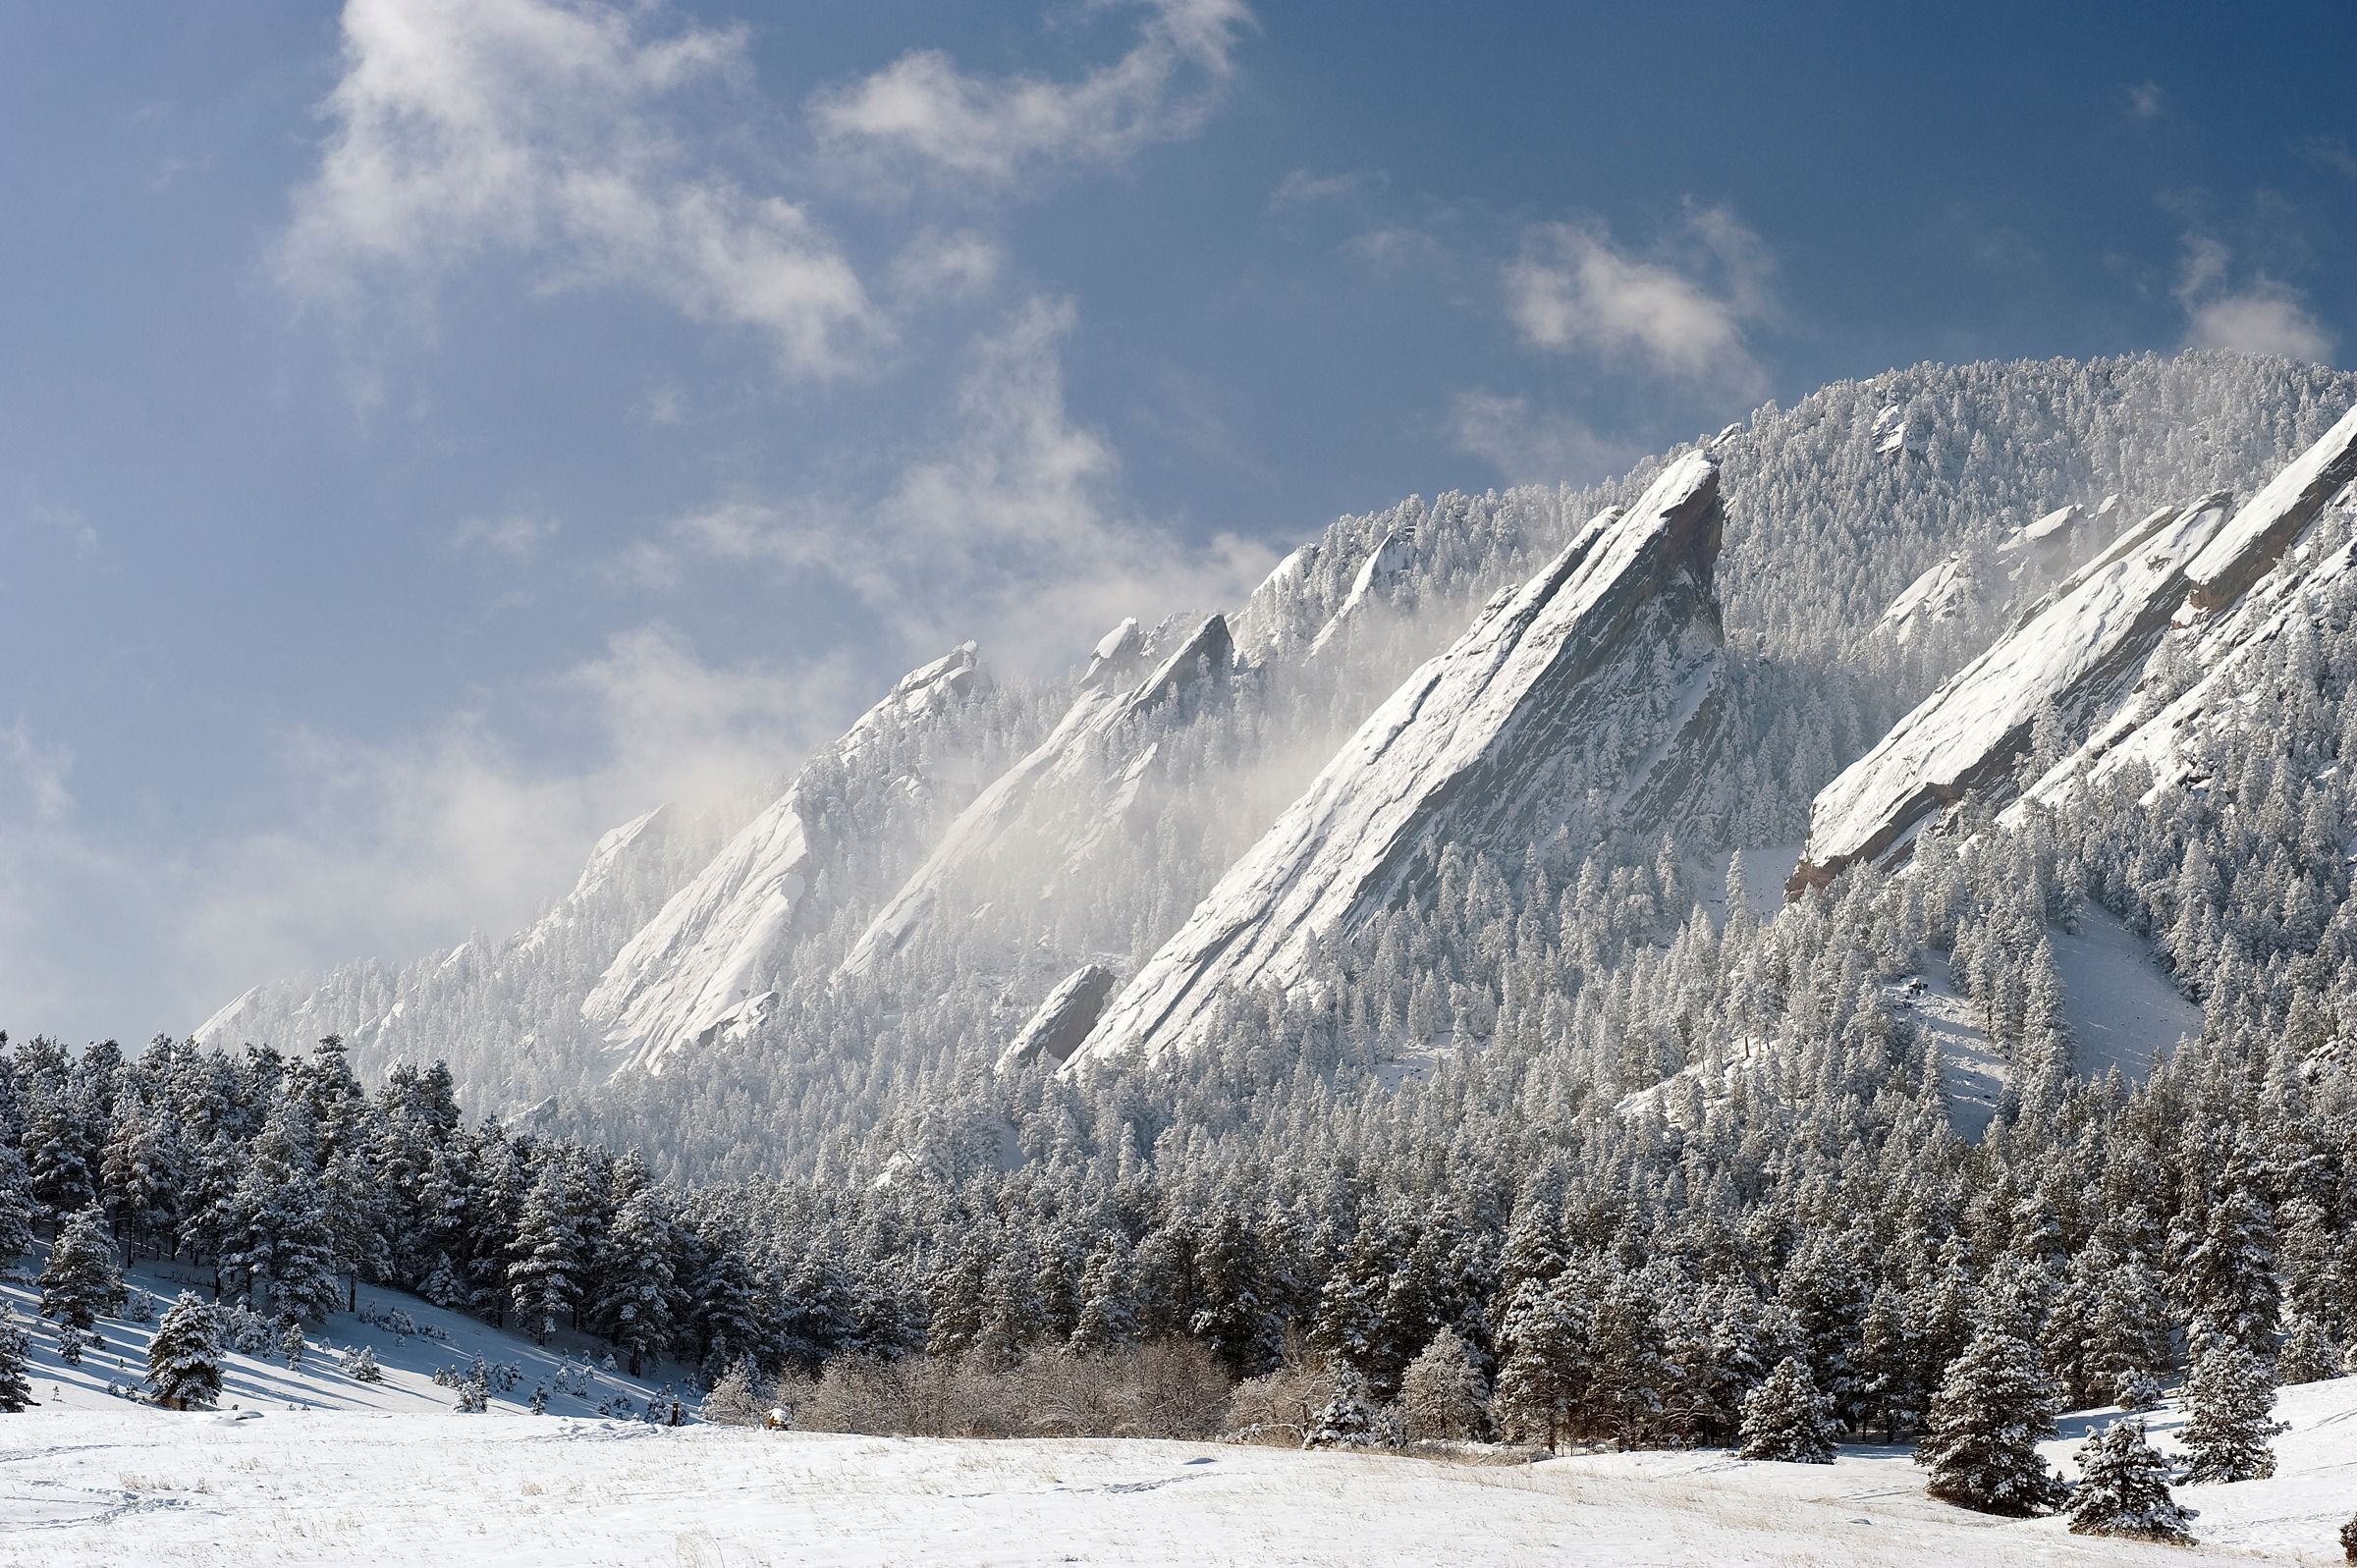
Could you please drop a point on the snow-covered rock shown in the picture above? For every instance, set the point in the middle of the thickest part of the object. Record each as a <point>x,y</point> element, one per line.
<point>2087,654</point>
<point>1896,437</point>
<point>2074,653</point>
<point>1945,592</point>
<point>1389,563</point>
<point>2279,514</point>
<point>1588,684</point>
<point>1055,1029</point>
<point>701,969</point>
<point>1261,627</point>
<point>2045,546</point>
<point>1014,801</point>
<point>2088,650</point>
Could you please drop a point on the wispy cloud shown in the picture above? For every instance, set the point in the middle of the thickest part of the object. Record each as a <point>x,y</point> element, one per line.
<point>2334,152</point>
<point>1009,526</point>
<point>1530,446</point>
<point>38,772</point>
<point>541,130</point>
<point>1301,188</point>
<point>518,536</point>
<point>924,111</point>
<point>2258,315</point>
<point>1681,311</point>
<point>2147,101</point>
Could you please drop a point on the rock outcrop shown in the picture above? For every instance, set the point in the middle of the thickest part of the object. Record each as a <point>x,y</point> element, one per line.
<point>2081,655</point>
<point>1588,689</point>
<point>701,969</point>
<point>1055,1029</point>
<point>1015,801</point>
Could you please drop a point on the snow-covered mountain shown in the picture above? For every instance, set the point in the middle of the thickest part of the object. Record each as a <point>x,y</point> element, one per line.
<point>706,966</point>
<point>1587,691</point>
<point>1005,823</point>
<point>2071,668</point>
<point>509,1005</point>
<point>956,874</point>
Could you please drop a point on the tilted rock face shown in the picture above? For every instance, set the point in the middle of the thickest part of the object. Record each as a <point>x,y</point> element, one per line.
<point>2085,650</point>
<point>1590,687</point>
<point>2164,734</point>
<point>701,967</point>
<point>1012,799</point>
<point>2076,651</point>
<point>1055,1029</point>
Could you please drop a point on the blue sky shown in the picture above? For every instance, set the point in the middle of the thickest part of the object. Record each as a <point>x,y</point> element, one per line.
<point>433,431</point>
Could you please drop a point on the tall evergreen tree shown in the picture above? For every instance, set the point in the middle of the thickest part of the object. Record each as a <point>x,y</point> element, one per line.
<point>2230,1400</point>
<point>550,1253</point>
<point>15,1393</point>
<point>637,1310</point>
<point>184,1359</point>
<point>1980,1437</point>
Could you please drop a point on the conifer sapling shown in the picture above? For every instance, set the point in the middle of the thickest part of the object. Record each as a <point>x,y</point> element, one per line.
<point>1787,1419</point>
<point>2123,1488</point>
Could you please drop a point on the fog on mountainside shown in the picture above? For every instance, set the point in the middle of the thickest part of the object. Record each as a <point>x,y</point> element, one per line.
<point>1829,520</point>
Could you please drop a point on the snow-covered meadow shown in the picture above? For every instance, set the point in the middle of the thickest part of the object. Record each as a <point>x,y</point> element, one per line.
<point>122,1483</point>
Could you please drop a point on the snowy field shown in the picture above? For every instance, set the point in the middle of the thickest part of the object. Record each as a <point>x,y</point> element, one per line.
<point>410,1338</point>
<point>124,1484</point>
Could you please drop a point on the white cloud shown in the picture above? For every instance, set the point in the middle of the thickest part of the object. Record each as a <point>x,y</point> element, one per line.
<point>540,130</point>
<point>390,847</point>
<point>1573,289</point>
<point>2146,100</point>
<point>2261,316</point>
<point>1530,447</point>
<point>518,536</point>
<point>1301,188</point>
<point>39,772</point>
<point>947,266</point>
<point>1008,529</point>
<point>2332,152</point>
<point>923,110</point>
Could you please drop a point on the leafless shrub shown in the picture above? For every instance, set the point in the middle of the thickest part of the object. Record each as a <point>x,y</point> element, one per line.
<point>1281,1407</point>
<point>1173,1389</point>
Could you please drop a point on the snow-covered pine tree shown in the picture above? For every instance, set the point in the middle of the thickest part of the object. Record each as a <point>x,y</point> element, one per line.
<point>81,1282</point>
<point>551,1256</point>
<point>1351,1418</point>
<point>2123,1488</point>
<point>291,1344</point>
<point>2230,1401</point>
<point>1442,1392</point>
<point>359,1365</point>
<point>726,1312</point>
<point>184,1359</point>
<point>15,1392</point>
<point>1980,1437</point>
<point>1787,1419</point>
<point>637,1310</point>
<point>15,1207</point>
<point>1547,1360</point>
<point>2227,1274</point>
